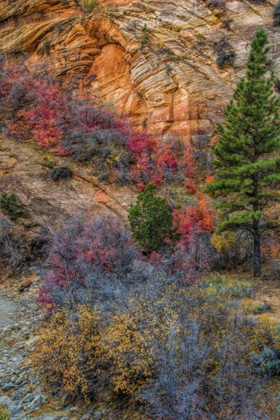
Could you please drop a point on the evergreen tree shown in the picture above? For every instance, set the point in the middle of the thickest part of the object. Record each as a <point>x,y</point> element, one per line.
<point>150,220</point>
<point>8,205</point>
<point>248,167</point>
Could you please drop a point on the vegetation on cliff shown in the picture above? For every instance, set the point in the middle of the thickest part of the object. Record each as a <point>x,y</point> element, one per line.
<point>138,319</point>
<point>248,173</point>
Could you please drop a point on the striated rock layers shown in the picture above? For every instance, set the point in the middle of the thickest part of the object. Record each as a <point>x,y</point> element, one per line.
<point>154,61</point>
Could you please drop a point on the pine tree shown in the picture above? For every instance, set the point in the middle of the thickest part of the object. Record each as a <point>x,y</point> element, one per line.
<point>248,167</point>
<point>150,220</point>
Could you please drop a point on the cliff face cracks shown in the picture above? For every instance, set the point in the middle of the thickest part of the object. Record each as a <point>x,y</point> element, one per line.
<point>153,61</point>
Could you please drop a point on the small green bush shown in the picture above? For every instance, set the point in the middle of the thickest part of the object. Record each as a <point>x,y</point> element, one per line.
<point>216,279</point>
<point>225,58</point>
<point>88,5</point>
<point>61,173</point>
<point>242,290</point>
<point>151,221</point>
<point>261,308</point>
<point>49,162</point>
<point>215,3</point>
<point>267,362</point>
<point>145,36</point>
<point>47,47</point>
<point>276,15</point>
<point>4,414</point>
<point>9,207</point>
<point>225,54</point>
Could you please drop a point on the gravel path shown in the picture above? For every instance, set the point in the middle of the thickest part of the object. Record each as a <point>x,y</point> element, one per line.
<point>21,390</point>
<point>8,310</point>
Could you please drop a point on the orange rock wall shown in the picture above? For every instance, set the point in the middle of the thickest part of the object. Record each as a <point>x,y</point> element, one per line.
<point>170,84</point>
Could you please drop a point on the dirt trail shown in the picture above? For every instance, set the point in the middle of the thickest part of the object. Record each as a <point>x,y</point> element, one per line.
<point>21,391</point>
<point>269,291</point>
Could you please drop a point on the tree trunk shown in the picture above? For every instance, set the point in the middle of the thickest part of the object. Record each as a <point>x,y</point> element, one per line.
<point>257,248</point>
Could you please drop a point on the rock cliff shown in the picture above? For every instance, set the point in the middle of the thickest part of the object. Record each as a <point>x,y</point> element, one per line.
<point>25,172</point>
<point>154,61</point>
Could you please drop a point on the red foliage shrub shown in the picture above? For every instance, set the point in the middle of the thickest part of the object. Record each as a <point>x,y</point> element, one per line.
<point>49,116</point>
<point>84,254</point>
<point>161,162</point>
<point>199,218</point>
<point>194,252</point>
<point>40,110</point>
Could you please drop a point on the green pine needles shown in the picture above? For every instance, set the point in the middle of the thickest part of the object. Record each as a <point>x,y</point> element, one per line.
<point>9,206</point>
<point>246,154</point>
<point>150,220</point>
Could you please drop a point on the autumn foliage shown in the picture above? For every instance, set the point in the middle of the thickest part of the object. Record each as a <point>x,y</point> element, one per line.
<point>131,317</point>
<point>198,218</point>
<point>84,254</point>
<point>157,341</point>
<point>38,109</point>
<point>161,163</point>
<point>140,330</point>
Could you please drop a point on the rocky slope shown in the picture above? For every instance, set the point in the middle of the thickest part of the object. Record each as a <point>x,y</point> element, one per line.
<point>25,172</point>
<point>171,83</point>
<point>22,391</point>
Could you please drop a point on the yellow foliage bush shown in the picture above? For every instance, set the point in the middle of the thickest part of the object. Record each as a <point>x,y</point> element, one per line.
<point>224,241</point>
<point>130,345</point>
<point>4,413</point>
<point>68,347</point>
<point>266,333</point>
<point>89,5</point>
<point>131,351</point>
<point>234,248</point>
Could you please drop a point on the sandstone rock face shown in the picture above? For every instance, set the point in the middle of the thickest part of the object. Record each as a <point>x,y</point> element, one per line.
<point>50,204</point>
<point>164,77</point>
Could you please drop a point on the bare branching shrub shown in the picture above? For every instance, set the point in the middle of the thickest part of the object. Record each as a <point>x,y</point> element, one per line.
<point>182,352</point>
<point>235,249</point>
<point>120,322</point>
<point>13,246</point>
<point>18,249</point>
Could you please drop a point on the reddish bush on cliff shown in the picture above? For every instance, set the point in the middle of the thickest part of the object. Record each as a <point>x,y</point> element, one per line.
<point>40,110</point>
<point>158,162</point>
<point>142,148</point>
<point>34,108</point>
<point>193,255</point>
<point>194,252</point>
<point>49,116</point>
